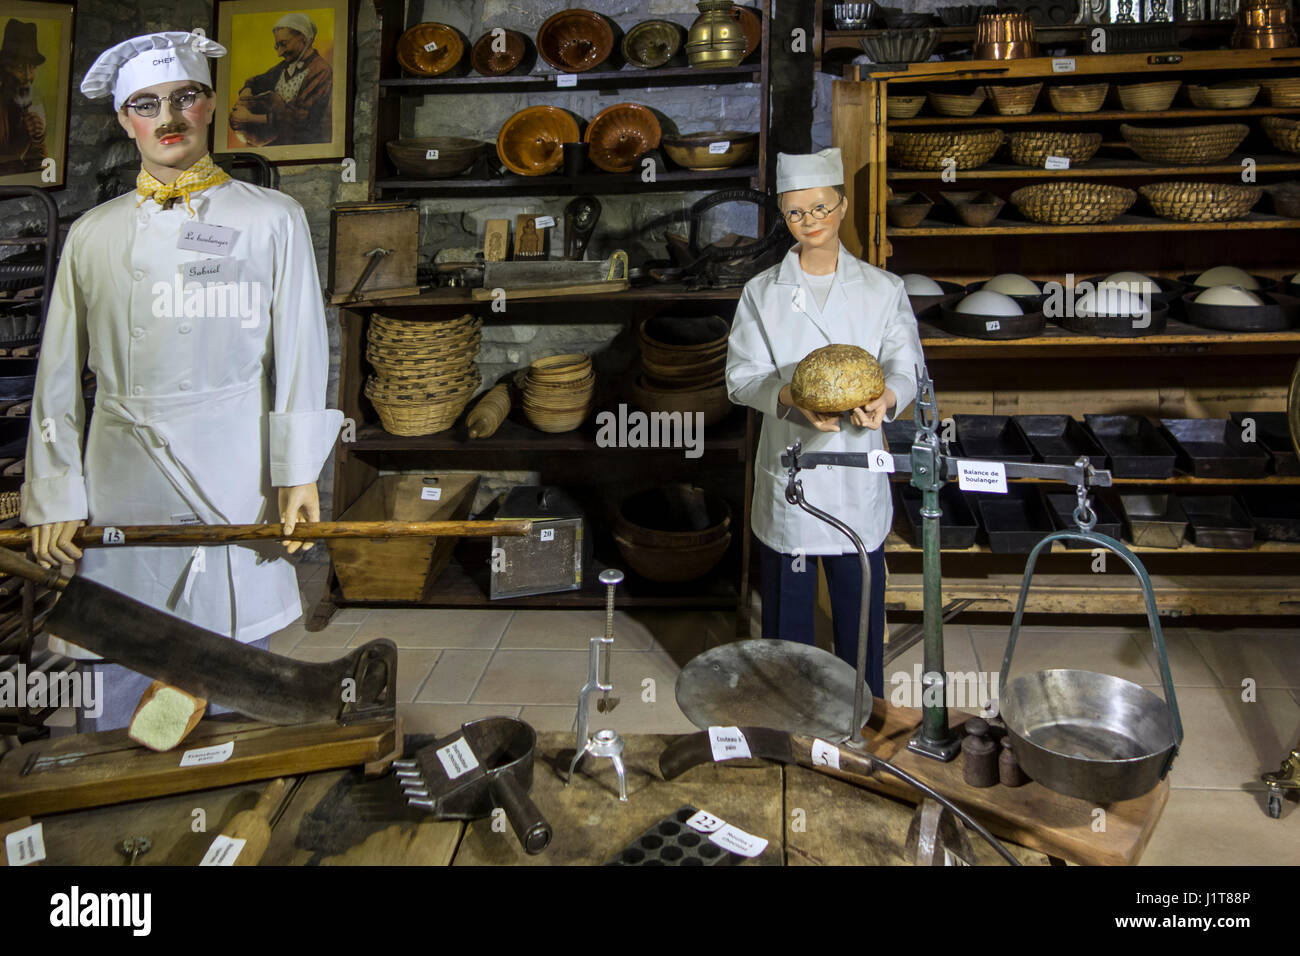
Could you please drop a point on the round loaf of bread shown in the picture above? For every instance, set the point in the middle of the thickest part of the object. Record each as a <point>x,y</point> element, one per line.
<point>837,378</point>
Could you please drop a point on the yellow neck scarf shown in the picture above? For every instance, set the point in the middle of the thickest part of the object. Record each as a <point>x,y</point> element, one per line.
<point>201,175</point>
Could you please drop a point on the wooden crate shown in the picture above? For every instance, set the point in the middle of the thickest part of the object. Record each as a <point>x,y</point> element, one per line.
<point>400,569</point>
<point>355,229</point>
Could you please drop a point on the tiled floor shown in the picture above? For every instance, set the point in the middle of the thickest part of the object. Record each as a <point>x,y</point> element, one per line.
<point>1238,692</point>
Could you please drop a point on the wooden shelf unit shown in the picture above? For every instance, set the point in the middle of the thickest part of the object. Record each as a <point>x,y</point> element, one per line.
<point>1184,372</point>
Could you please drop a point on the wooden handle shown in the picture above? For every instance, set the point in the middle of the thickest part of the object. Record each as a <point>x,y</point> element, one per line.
<point>18,566</point>
<point>253,826</point>
<point>91,537</point>
<point>270,798</point>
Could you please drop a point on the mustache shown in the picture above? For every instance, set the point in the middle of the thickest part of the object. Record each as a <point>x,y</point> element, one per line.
<point>171,129</point>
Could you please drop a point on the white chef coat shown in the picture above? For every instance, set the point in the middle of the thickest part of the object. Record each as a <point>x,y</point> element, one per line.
<point>777,323</point>
<point>197,418</point>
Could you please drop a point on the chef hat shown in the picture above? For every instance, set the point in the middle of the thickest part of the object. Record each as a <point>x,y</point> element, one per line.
<point>809,170</point>
<point>149,60</point>
<point>297,21</point>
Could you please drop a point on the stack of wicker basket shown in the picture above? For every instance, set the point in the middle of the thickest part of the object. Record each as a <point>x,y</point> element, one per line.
<point>424,371</point>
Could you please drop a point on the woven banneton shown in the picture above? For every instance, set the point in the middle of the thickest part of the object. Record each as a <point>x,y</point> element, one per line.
<point>419,412</point>
<point>903,107</point>
<point>1072,203</point>
<point>1283,91</point>
<point>1032,147</point>
<point>1148,97</point>
<point>957,104</point>
<point>1014,100</point>
<point>409,355</point>
<point>1185,145</point>
<point>1200,202</point>
<point>429,333</point>
<point>1233,95</point>
<point>967,149</point>
<point>1078,99</point>
<point>1284,133</point>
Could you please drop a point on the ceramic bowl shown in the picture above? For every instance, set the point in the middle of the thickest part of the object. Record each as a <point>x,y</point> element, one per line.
<point>430,49</point>
<point>531,143</point>
<point>574,41</point>
<point>618,134</point>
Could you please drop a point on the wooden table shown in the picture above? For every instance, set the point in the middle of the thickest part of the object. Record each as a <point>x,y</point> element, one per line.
<point>338,818</point>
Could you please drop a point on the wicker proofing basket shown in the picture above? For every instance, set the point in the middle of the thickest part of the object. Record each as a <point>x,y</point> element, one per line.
<point>1078,99</point>
<point>957,104</point>
<point>1233,95</point>
<point>1284,133</point>
<point>903,107</point>
<point>1200,202</point>
<point>1014,100</point>
<point>414,412</point>
<point>1072,203</point>
<point>1283,91</point>
<point>1148,97</point>
<point>1032,147</point>
<point>968,149</point>
<point>1186,145</point>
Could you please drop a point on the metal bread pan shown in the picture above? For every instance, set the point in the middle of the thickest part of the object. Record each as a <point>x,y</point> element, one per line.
<point>1274,511</point>
<point>1132,445</point>
<point>958,526</point>
<point>1059,439</point>
<point>1218,521</point>
<point>1154,521</point>
<point>991,436</point>
<point>1212,448</point>
<point>1061,508</point>
<point>1273,432</point>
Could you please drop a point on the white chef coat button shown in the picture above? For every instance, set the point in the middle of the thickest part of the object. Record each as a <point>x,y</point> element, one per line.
<point>138,390</point>
<point>143,217</point>
<point>137,333</point>
<point>138,275</point>
<point>185,386</point>
<point>184,329</point>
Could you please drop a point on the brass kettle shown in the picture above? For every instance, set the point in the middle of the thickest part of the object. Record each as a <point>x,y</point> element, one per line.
<point>715,38</point>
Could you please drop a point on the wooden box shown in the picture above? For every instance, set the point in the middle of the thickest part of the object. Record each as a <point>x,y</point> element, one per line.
<point>355,229</point>
<point>400,569</point>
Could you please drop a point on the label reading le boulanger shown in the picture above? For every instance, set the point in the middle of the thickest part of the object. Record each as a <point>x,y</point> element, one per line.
<point>223,852</point>
<point>206,755</point>
<point>25,846</point>
<point>728,743</point>
<point>726,836</point>
<point>982,476</point>
<point>456,758</point>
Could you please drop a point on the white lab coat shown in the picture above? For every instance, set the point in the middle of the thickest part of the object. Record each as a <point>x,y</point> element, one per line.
<point>197,418</point>
<point>777,323</point>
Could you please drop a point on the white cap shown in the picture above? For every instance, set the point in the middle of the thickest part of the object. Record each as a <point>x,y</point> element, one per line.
<point>149,60</point>
<point>809,170</point>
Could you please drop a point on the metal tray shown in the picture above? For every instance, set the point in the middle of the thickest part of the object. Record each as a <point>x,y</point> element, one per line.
<point>992,437</point>
<point>1154,521</point>
<point>1212,448</point>
<point>1218,521</point>
<point>1277,314</point>
<point>1266,283</point>
<point>1061,508</point>
<point>1274,511</point>
<point>899,435</point>
<point>958,526</point>
<point>1058,439</point>
<point>1014,522</point>
<point>989,326</point>
<point>670,842</point>
<point>1115,326</point>
<point>952,292</point>
<point>1273,432</point>
<point>1133,447</point>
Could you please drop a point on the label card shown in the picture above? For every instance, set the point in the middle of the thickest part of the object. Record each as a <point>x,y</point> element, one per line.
<point>992,325</point>
<point>203,237</point>
<point>430,154</point>
<point>457,758</point>
<point>738,841</point>
<point>705,822</point>
<point>113,536</point>
<point>720,147</point>
<point>566,79</point>
<point>880,460</point>
<point>26,846</point>
<point>1057,162</point>
<point>206,755</point>
<point>1064,64</point>
<point>430,494</point>
<point>544,222</point>
<point>728,743</point>
<point>825,755</point>
<point>982,476</point>
<point>210,270</point>
<point>548,534</point>
<point>430,46</point>
<point>223,852</point>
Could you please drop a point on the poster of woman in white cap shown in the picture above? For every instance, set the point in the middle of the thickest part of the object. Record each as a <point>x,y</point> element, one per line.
<point>35,73</point>
<point>283,91</point>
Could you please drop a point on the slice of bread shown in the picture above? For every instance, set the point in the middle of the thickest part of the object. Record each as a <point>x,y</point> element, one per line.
<point>165,716</point>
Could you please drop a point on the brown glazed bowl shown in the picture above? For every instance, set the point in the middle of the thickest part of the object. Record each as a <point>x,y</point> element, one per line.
<point>574,41</point>
<point>692,150</point>
<point>531,143</point>
<point>618,134</point>
<point>674,564</point>
<point>675,515</point>
<point>455,154</point>
<point>448,46</point>
<point>653,43</point>
<point>515,57</point>
<point>752,26</point>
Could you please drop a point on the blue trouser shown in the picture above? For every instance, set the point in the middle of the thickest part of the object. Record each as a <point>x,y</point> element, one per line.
<point>789,597</point>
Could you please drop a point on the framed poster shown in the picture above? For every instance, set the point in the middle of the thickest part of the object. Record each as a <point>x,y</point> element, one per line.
<point>35,79</point>
<point>284,85</point>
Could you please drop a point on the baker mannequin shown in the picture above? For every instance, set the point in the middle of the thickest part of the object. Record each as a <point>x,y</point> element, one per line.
<point>210,413</point>
<point>820,295</point>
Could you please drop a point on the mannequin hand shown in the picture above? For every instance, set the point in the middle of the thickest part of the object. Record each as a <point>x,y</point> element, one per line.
<point>52,543</point>
<point>872,415</point>
<point>298,503</point>
<point>822,421</point>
